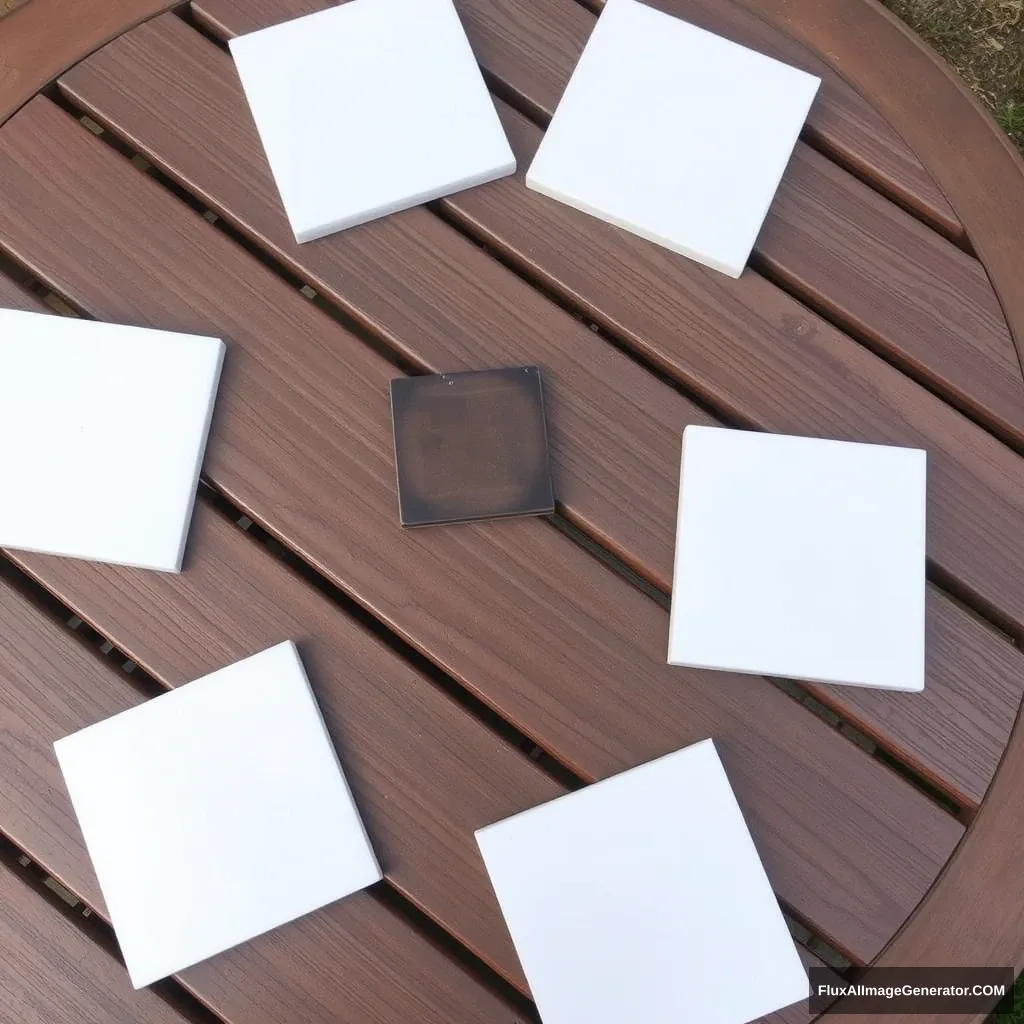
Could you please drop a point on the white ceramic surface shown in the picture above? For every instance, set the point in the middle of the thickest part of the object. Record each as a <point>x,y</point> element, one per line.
<point>104,430</point>
<point>627,900</point>
<point>800,557</point>
<point>673,133</point>
<point>215,812</point>
<point>369,108</point>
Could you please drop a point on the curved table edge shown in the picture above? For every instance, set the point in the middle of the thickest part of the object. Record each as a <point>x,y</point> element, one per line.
<point>42,39</point>
<point>939,118</point>
<point>967,921</point>
<point>972,914</point>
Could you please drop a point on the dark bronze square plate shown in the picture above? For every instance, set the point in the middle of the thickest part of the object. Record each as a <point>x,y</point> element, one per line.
<point>471,446</point>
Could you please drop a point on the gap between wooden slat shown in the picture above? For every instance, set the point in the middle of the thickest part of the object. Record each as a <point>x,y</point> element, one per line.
<point>535,113</point>
<point>991,614</point>
<point>98,931</point>
<point>814,138</point>
<point>758,263</point>
<point>149,687</point>
<point>976,415</point>
<point>484,714</point>
<point>846,726</point>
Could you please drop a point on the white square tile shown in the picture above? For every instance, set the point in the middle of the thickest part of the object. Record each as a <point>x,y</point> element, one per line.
<point>214,813</point>
<point>673,133</point>
<point>800,557</point>
<point>626,899</point>
<point>369,108</point>
<point>104,430</point>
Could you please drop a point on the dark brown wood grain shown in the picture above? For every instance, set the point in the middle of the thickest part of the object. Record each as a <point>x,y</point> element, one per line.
<point>509,36</point>
<point>967,917</point>
<point>914,295</point>
<point>513,610</point>
<point>48,36</point>
<point>325,967</point>
<point>52,973</point>
<point>760,355</point>
<point>177,99</point>
<point>120,607</point>
<point>970,157</point>
<point>405,745</point>
<point>974,688</point>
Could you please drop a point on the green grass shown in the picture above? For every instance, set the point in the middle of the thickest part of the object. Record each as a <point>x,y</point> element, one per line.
<point>1010,116</point>
<point>1016,1015</point>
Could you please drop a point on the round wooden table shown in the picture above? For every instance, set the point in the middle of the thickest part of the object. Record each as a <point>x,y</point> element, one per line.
<point>469,672</point>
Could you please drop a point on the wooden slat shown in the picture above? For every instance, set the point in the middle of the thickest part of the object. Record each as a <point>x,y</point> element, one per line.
<point>176,98</point>
<point>405,745</point>
<point>46,38</point>
<point>916,298</point>
<point>828,237</point>
<point>966,151</point>
<point>911,293</point>
<point>975,681</point>
<point>354,961</point>
<point>755,351</point>
<point>513,610</point>
<point>120,598</point>
<point>509,35</point>
<point>967,917</point>
<point>51,973</point>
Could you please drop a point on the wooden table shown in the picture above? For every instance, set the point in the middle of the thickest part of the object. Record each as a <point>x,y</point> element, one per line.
<point>469,672</point>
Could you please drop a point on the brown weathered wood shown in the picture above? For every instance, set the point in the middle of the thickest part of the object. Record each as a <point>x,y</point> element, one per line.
<point>914,295</point>
<point>834,241</point>
<point>510,35</point>
<point>755,352</point>
<point>10,6</point>
<point>405,744</point>
<point>176,97</point>
<point>960,143</point>
<point>917,299</point>
<point>514,610</point>
<point>974,688</point>
<point>234,580</point>
<point>48,36</point>
<point>967,917</point>
<point>325,967</point>
<point>50,972</point>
